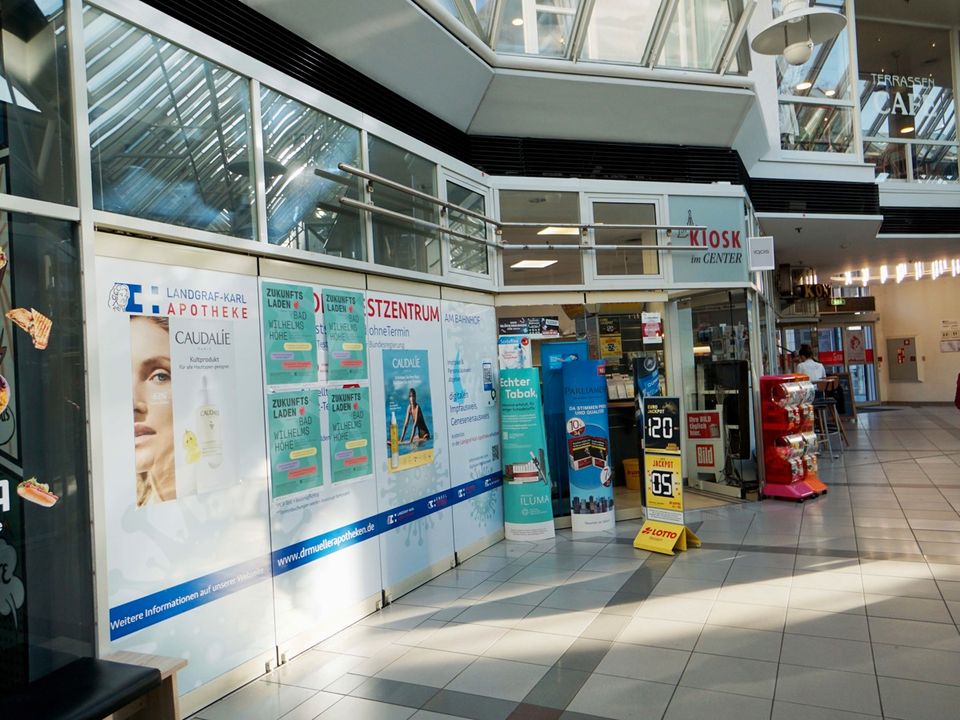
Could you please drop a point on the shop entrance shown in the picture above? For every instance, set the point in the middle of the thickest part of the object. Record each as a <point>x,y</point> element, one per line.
<point>846,350</point>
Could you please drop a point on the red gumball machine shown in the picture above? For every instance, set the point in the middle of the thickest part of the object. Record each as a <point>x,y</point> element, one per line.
<point>789,439</point>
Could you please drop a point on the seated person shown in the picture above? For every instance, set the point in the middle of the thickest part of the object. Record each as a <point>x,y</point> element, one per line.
<point>808,366</point>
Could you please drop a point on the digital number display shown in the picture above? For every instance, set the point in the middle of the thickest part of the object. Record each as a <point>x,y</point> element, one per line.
<point>661,424</point>
<point>661,483</point>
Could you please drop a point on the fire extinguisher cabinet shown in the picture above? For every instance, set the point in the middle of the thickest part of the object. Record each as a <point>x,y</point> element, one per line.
<point>789,439</point>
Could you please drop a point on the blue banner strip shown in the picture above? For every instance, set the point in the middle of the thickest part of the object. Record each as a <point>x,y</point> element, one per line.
<point>159,606</point>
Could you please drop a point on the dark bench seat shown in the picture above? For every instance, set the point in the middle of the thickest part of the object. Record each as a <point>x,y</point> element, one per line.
<point>85,689</point>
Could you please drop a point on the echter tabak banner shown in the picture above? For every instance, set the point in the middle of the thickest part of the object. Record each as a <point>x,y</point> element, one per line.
<point>528,510</point>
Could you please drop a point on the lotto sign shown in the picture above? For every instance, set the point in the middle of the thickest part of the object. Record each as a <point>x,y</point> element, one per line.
<point>664,477</point>
<point>664,537</point>
<point>661,424</point>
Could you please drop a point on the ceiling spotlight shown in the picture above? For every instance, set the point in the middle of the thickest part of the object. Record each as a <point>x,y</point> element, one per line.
<point>829,93</point>
<point>517,22</point>
<point>901,272</point>
<point>797,30</point>
<point>805,85</point>
<point>848,278</point>
<point>865,276</point>
<point>884,274</point>
<point>917,270</point>
<point>907,129</point>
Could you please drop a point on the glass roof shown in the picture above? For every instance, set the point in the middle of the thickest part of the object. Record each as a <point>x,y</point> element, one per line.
<point>699,35</point>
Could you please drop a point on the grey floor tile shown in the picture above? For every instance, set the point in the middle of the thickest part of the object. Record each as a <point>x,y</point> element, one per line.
<point>912,663</point>
<point>907,608</point>
<point>460,578</point>
<point>740,642</point>
<point>811,651</point>
<point>793,711</point>
<point>606,627</point>
<point>363,640</point>
<point>557,688</point>
<point>423,666</point>
<point>429,715</point>
<point>755,594</point>
<point>394,693</point>
<point>828,688</point>
<point>258,701</point>
<point>463,638</point>
<point>732,675</point>
<point>530,647</point>
<point>557,622</point>
<point>584,654</point>
<point>664,608</point>
<point>503,679</point>
<point>575,598</point>
<point>751,617</point>
<point>397,617</point>
<point>644,662</point>
<point>826,600</point>
<point>499,614</point>
<point>686,588</point>
<point>900,587</point>
<point>622,698</point>
<point>912,633</point>
<point>475,707</point>
<point>351,708</point>
<point>313,669</point>
<point>912,700</point>
<point>519,593</point>
<point>345,684</point>
<point>663,633</point>
<point>696,704</point>
<point>312,708</point>
<point>431,596</point>
<point>845,582</point>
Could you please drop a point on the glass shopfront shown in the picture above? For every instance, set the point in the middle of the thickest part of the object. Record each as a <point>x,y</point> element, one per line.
<point>908,112</point>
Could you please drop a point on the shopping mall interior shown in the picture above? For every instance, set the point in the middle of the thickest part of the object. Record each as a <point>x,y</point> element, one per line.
<point>486,359</point>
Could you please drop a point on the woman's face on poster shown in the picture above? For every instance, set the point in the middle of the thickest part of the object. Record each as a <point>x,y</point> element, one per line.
<point>152,393</point>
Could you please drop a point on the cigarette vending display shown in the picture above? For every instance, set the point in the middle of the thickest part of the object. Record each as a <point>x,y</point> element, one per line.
<point>789,440</point>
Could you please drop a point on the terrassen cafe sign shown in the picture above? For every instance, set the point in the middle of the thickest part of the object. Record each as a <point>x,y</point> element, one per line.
<point>722,254</point>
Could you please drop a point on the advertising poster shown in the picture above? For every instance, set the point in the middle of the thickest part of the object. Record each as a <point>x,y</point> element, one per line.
<point>587,445</point>
<point>854,346</point>
<point>664,481</point>
<point>722,243</point>
<point>473,387</point>
<point>350,444</point>
<point>409,409</point>
<point>950,336</point>
<point>293,434</point>
<point>346,335</point>
<point>289,333</point>
<point>405,352</point>
<point>514,352</point>
<point>184,466</point>
<point>553,356</point>
<point>527,507</point>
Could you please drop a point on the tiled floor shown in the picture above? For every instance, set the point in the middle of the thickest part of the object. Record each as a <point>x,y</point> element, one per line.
<point>842,608</point>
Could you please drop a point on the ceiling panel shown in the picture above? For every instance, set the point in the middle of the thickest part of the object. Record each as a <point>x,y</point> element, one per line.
<point>396,44</point>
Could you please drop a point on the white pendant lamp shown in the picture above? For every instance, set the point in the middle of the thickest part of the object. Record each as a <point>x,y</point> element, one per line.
<point>797,30</point>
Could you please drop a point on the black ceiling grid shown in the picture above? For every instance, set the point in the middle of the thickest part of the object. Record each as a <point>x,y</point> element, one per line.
<point>920,220</point>
<point>814,196</point>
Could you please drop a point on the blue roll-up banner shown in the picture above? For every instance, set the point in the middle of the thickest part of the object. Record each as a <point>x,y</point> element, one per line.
<point>588,445</point>
<point>553,356</point>
<point>527,510</point>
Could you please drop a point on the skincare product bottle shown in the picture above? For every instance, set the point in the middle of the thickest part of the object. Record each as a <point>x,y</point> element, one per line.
<point>208,428</point>
<point>394,440</point>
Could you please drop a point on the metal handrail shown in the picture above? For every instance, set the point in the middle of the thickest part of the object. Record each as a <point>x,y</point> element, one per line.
<point>498,224</point>
<point>349,202</point>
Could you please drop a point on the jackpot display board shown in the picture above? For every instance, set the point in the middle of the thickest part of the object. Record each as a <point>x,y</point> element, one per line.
<point>185,491</point>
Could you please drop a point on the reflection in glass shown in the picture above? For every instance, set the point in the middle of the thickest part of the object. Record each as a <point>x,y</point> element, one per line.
<point>697,34</point>
<point>816,128</point>
<point>43,435</point>
<point>169,130</point>
<point>906,82</point>
<point>562,266</point>
<point>934,163</point>
<point>302,148</point>
<point>625,262</point>
<point>889,160</point>
<point>36,115</point>
<point>464,254</point>
<point>397,243</point>
<point>620,30</point>
<point>536,28</point>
